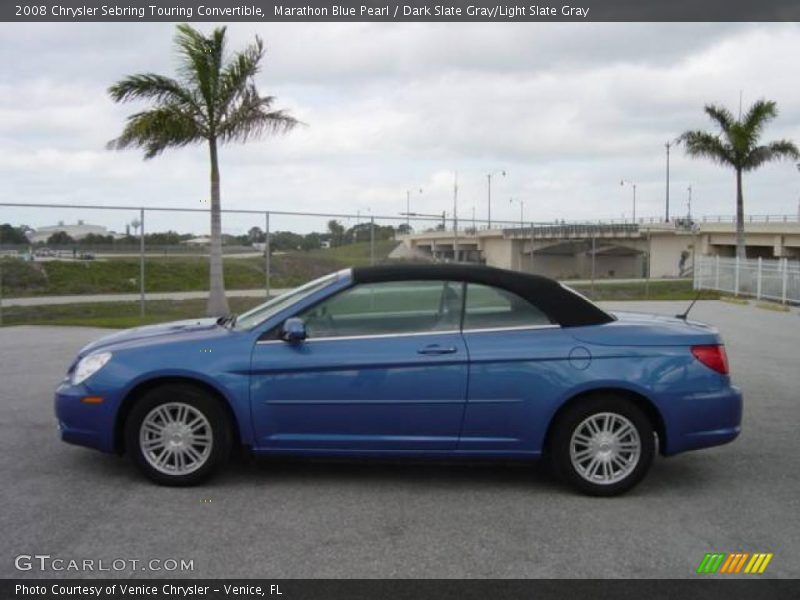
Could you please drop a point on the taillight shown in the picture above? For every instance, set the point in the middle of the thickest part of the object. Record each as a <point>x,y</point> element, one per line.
<point>713,357</point>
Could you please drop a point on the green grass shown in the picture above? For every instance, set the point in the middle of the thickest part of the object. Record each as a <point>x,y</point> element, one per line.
<point>357,254</point>
<point>126,314</point>
<point>119,315</point>
<point>177,273</point>
<point>655,290</point>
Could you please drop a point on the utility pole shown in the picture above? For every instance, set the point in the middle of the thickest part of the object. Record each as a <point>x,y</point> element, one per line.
<point>689,204</point>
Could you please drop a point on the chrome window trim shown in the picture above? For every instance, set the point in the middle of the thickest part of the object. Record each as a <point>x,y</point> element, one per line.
<point>414,334</point>
<point>374,336</point>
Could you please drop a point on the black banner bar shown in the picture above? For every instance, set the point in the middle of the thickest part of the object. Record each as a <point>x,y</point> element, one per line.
<point>372,589</point>
<point>401,11</point>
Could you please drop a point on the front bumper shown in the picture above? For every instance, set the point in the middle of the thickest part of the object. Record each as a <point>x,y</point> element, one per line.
<point>702,420</point>
<point>90,425</point>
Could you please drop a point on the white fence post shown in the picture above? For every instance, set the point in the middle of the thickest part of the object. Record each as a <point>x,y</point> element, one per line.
<point>775,279</point>
<point>758,280</point>
<point>785,279</point>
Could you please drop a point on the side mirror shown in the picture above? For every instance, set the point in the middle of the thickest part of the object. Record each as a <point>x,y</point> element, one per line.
<point>293,331</point>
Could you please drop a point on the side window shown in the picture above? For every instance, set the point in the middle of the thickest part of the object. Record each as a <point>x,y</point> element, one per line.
<point>490,307</point>
<point>394,307</point>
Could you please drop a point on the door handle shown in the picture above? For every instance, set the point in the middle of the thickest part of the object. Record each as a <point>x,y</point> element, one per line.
<point>437,349</point>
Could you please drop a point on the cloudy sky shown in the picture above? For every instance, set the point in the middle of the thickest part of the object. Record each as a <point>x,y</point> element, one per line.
<point>568,110</point>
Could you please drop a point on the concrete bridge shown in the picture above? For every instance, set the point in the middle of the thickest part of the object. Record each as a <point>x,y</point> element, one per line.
<point>649,247</point>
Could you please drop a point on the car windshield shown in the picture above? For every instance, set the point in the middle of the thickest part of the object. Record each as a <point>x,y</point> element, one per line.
<point>271,307</point>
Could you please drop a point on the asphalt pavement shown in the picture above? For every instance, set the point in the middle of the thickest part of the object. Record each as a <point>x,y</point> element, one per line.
<point>297,519</point>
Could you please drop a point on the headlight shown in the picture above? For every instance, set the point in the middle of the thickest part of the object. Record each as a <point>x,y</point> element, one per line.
<point>88,366</point>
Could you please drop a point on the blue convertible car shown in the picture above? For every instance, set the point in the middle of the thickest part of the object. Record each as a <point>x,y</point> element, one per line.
<point>408,360</point>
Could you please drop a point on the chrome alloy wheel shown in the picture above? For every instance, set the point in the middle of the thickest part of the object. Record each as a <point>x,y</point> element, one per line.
<point>175,438</point>
<point>605,448</point>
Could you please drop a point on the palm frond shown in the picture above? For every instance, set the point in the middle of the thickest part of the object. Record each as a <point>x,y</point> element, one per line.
<point>148,86</point>
<point>156,130</point>
<point>758,115</point>
<point>778,150</point>
<point>253,116</point>
<point>201,59</point>
<point>746,132</point>
<point>238,74</point>
<point>706,145</point>
<point>721,115</point>
<point>158,88</point>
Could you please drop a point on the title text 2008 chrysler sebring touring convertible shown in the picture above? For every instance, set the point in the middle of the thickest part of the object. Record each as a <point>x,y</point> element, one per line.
<point>408,360</point>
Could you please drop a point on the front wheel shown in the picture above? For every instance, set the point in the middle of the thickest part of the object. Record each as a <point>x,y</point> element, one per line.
<point>603,446</point>
<point>178,435</point>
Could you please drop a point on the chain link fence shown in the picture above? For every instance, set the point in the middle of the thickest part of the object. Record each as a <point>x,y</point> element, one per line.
<point>122,266</point>
<point>777,280</point>
<point>150,259</point>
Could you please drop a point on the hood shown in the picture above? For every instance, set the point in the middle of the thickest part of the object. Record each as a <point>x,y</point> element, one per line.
<point>174,329</point>
<point>645,329</point>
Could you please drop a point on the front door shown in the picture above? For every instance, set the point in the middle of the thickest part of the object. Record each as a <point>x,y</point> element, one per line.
<point>384,367</point>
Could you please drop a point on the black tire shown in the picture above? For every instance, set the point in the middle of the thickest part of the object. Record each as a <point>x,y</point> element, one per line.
<point>170,396</point>
<point>574,418</point>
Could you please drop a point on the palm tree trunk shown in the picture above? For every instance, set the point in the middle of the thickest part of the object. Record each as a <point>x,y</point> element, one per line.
<point>741,248</point>
<point>217,302</point>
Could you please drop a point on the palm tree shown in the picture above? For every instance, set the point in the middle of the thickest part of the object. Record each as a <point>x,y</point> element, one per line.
<point>213,100</point>
<point>737,145</point>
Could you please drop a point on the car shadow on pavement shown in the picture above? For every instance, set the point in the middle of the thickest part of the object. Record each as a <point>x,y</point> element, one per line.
<point>428,473</point>
<point>682,474</point>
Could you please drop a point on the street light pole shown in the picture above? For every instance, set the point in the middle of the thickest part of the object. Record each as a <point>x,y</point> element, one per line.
<point>489,191</point>
<point>633,185</point>
<point>689,204</point>
<point>408,206</point>
<point>521,210</point>
<point>667,146</point>
<point>455,217</point>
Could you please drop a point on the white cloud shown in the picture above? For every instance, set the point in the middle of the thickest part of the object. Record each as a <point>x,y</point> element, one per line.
<point>568,110</point>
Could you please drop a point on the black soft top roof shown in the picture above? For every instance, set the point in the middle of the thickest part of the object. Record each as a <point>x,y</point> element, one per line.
<point>561,305</point>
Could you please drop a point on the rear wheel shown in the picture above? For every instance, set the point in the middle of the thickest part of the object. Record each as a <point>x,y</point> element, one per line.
<point>602,446</point>
<point>178,435</point>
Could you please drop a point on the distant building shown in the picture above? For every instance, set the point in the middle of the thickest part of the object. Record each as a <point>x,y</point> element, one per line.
<point>77,232</point>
